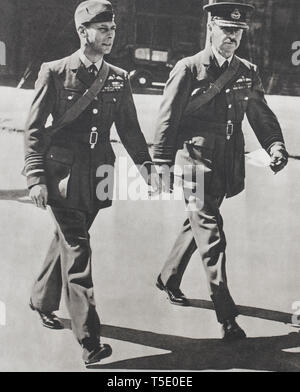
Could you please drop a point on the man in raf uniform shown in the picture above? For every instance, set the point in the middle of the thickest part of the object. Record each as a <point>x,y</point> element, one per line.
<point>61,166</point>
<point>204,103</point>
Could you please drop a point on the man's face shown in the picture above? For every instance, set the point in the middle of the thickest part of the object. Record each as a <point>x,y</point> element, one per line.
<point>225,39</point>
<point>100,36</point>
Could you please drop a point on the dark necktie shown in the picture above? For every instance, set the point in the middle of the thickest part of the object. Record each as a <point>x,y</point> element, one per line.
<point>224,66</point>
<point>92,70</point>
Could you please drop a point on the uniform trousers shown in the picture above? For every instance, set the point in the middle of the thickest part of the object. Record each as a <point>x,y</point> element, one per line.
<point>203,230</point>
<point>67,267</point>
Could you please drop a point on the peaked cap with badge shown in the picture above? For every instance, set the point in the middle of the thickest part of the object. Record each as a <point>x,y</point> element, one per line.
<point>229,14</point>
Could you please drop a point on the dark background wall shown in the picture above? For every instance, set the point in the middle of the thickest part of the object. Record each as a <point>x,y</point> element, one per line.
<point>42,30</point>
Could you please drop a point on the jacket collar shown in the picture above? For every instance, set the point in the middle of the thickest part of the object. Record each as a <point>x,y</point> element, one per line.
<point>220,59</point>
<point>207,56</point>
<point>203,62</point>
<point>75,62</point>
<point>87,63</point>
<point>82,74</point>
<point>207,59</point>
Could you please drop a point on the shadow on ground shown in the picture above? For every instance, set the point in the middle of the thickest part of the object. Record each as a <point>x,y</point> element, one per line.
<point>264,314</point>
<point>275,353</point>
<point>263,354</point>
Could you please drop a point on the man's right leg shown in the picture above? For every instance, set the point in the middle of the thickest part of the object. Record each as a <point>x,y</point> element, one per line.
<point>47,289</point>
<point>75,254</point>
<point>207,227</point>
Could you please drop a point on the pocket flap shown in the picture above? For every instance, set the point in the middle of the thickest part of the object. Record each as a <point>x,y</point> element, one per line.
<point>60,154</point>
<point>109,98</point>
<point>70,95</point>
<point>203,141</point>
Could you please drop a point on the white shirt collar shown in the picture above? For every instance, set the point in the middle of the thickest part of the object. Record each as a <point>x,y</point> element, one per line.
<point>220,59</point>
<point>87,63</point>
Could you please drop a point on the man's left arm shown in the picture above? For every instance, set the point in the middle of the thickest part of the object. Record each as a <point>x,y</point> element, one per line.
<point>265,125</point>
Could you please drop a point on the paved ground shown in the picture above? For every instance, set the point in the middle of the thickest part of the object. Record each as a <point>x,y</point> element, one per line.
<point>130,242</point>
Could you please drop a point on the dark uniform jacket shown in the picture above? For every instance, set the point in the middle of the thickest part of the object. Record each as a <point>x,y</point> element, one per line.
<point>203,133</point>
<point>65,161</point>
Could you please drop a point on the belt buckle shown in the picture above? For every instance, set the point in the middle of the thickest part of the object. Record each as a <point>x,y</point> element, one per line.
<point>229,130</point>
<point>93,138</point>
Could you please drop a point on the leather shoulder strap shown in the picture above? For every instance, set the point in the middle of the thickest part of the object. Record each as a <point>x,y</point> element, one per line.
<point>215,88</point>
<point>83,102</point>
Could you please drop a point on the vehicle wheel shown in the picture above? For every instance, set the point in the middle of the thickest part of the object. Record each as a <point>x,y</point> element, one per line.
<point>142,79</point>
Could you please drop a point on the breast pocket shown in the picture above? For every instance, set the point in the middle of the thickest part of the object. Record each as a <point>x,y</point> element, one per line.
<point>58,165</point>
<point>109,103</point>
<point>241,97</point>
<point>67,98</point>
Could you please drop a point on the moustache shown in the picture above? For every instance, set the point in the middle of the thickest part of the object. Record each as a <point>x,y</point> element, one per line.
<point>229,41</point>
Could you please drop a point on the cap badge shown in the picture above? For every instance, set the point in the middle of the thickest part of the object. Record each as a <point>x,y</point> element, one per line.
<point>236,15</point>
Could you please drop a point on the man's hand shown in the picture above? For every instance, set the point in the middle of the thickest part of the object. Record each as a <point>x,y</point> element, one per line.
<point>39,195</point>
<point>166,178</point>
<point>279,157</point>
<point>153,184</point>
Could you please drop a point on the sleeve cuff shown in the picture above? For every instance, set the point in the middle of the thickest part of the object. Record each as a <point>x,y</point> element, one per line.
<point>35,180</point>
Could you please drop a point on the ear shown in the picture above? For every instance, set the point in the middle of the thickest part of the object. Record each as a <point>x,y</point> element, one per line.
<point>82,31</point>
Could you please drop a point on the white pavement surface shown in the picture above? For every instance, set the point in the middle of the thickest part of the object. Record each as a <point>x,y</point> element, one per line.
<point>130,242</point>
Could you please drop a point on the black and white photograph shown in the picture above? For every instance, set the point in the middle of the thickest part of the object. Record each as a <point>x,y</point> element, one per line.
<point>149,195</point>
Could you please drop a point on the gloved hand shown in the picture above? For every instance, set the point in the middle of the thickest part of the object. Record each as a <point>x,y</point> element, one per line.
<point>279,157</point>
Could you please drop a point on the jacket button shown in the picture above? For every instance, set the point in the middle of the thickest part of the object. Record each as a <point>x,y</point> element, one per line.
<point>229,106</point>
<point>94,129</point>
<point>95,111</point>
<point>115,100</point>
<point>70,97</point>
<point>246,98</point>
<point>227,91</point>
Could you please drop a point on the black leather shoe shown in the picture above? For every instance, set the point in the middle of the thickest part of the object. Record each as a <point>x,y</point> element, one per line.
<point>232,331</point>
<point>176,296</point>
<point>49,320</point>
<point>100,352</point>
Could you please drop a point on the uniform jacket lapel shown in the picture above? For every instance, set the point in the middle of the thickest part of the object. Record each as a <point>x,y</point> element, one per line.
<point>235,63</point>
<point>82,74</point>
<point>205,62</point>
<point>79,70</point>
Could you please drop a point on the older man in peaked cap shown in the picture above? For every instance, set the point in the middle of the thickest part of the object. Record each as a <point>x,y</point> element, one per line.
<point>63,165</point>
<point>200,119</point>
